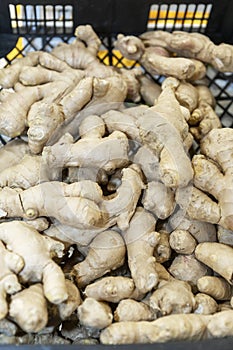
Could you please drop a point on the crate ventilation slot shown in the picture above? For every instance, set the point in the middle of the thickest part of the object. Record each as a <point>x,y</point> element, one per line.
<point>41,19</point>
<point>189,17</point>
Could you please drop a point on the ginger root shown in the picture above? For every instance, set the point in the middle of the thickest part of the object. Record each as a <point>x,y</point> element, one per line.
<point>172,297</point>
<point>105,253</point>
<point>141,239</point>
<point>95,314</point>
<point>28,243</point>
<point>28,309</point>
<point>11,265</point>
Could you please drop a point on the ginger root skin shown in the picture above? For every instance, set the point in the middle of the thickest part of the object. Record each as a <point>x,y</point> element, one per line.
<point>205,304</point>
<point>35,249</point>
<point>168,328</point>
<point>217,287</point>
<point>113,289</point>
<point>105,253</point>
<point>141,239</point>
<point>11,264</point>
<point>133,311</point>
<point>28,309</point>
<point>95,314</point>
<point>172,297</point>
<point>209,252</point>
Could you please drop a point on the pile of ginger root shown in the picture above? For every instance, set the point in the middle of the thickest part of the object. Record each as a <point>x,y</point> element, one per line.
<point>116,207</point>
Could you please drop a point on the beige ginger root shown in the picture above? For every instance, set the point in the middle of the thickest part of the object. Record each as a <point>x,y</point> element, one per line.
<point>155,60</point>
<point>95,314</point>
<point>217,287</point>
<point>71,304</point>
<point>25,174</point>
<point>141,239</point>
<point>172,297</point>
<point>208,253</point>
<point>192,45</point>
<point>12,153</point>
<point>205,304</point>
<point>158,199</point>
<point>169,328</point>
<point>11,264</point>
<point>28,309</point>
<point>132,310</point>
<point>10,75</point>
<point>105,253</point>
<point>217,147</point>
<point>113,289</point>
<point>35,249</point>
<point>182,242</point>
<point>43,200</point>
<point>200,230</point>
<point>108,153</point>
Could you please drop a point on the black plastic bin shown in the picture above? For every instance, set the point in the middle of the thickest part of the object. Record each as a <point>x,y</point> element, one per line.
<point>50,20</point>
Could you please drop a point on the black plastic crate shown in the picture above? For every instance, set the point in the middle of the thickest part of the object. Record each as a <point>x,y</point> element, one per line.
<point>41,24</point>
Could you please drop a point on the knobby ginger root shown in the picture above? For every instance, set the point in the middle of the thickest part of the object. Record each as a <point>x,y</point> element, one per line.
<point>141,239</point>
<point>121,206</point>
<point>68,306</point>
<point>205,304</point>
<point>208,253</point>
<point>108,153</point>
<point>158,199</point>
<point>56,199</point>
<point>95,314</point>
<point>72,235</point>
<point>168,328</point>
<point>172,297</point>
<point>132,310</point>
<point>11,265</point>
<point>25,174</point>
<point>182,242</point>
<point>105,253</point>
<point>156,60</point>
<point>200,230</point>
<point>29,310</point>
<point>12,153</point>
<point>113,289</point>
<point>193,45</point>
<point>9,76</point>
<point>149,90</point>
<point>216,287</point>
<point>35,249</point>
<point>217,146</point>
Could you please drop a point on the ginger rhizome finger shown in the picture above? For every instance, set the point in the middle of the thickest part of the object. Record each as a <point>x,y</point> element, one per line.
<point>208,253</point>
<point>71,304</point>
<point>205,304</point>
<point>35,249</point>
<point>216,287</point>
<point>25,174</point>
<point>11,265</point>
<point>28,309</point>
<point>113,289</point>
<point>192,45</point>
<point>172,297</point>
<point>155,60</point>
<point>95,314</point>
<point>105,253</point>
<point>141,239</point>
<point>132,310</point>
